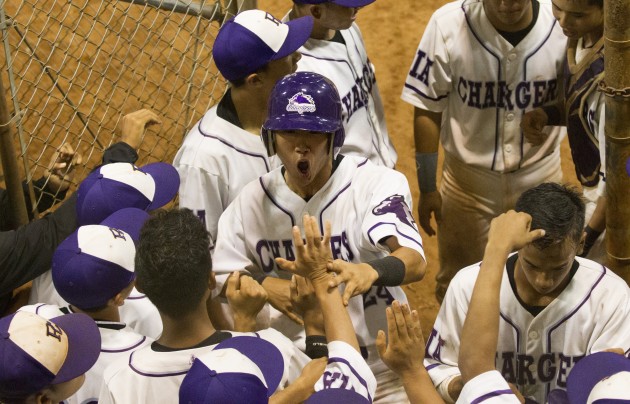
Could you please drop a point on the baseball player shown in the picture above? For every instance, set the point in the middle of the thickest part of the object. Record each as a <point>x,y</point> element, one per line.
<point>44,360</point>
<point>223,152</point>
<point>375,242</point>
<point>479,66</point>
<point>93,270</point>
<point>336,50</point>
<point>554,308</point>
<point>581,110</point>
<point>140,190</point>
<point>174,269</point>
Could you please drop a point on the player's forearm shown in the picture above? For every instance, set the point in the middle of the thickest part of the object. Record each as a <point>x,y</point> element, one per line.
<point>297,392</point>
<point>337,321</point>
<point>481,327</point>
<point>419,387</point>
<point>415,265</point>
<point>426,130</point>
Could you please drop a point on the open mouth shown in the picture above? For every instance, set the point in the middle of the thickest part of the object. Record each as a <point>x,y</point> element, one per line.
<point>303,167</point>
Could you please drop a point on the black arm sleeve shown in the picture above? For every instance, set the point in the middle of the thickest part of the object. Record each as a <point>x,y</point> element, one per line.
<point>27,252</point>
<point>120,152</point>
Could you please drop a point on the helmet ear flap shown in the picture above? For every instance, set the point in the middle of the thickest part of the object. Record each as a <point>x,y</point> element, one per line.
<point>268,139</point>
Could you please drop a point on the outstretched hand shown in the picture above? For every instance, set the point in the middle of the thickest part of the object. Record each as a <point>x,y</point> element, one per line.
<point>405,352</point>
<point>312,257</point>
<point>60,168</point>
<point>133,125</point>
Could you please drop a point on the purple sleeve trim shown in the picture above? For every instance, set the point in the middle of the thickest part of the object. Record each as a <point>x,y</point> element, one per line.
<point>491,395</point>
<point>422,94</point>
<point>356,374</point>
<point>403,235</point>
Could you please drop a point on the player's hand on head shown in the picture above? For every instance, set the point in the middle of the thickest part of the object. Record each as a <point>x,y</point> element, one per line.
<point>358,278</point>
<point>60,168</point>
<point>311,255</point>
<point>404,351</point>
<point>532,125</point>
<point>132,126</point>
<point>306,304</point>
<point>511,231</point>
<point>245,296</point>
<point>430,205</point>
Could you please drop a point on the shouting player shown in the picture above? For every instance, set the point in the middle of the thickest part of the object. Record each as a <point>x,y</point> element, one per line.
<point>479,65</point>
<point>223,152</point>
<point>554,308</point>
<point>336,50</point>
<point>375,242</point>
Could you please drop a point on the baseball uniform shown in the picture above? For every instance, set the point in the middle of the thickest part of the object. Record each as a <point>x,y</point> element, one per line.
<point>346,369</point>
<point>482,85</point>
<point>138,312</point>
<point>156,372</point>
<point>365,203</point>
<point>215,162</point>
<point>344,61</point>
<point>117,340</point>
<point>537,347</point>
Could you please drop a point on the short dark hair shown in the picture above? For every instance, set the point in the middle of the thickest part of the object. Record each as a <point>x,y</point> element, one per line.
<point>173,261</point>
<point>240,82</point>
<point>558,209</point>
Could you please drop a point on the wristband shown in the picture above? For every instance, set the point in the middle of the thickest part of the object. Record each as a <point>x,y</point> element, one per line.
<point>316,346</point>
<point>426,169</point>
<point>391,271</point>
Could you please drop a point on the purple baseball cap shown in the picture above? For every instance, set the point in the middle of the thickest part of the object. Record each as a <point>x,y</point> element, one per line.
<point>240,369</point>
<point>337,395</point>
<point>254,38</point>
<point>602,378</point>
<point>344,3</point>
<point>96,262</point>
<point>122,185</point>
<point>36,352</point>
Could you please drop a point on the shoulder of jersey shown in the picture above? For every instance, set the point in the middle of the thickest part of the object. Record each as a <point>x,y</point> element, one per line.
<point>595,269</point>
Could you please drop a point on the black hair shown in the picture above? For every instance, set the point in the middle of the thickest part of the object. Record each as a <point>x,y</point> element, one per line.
<point>558,209</point>
<point>173,261</point>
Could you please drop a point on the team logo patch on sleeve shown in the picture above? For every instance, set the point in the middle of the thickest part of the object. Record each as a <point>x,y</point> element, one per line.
<point>301,103</point>
<point>396,204</point>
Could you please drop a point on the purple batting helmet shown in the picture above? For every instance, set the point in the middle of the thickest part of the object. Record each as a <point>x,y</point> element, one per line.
<point>304,101</point>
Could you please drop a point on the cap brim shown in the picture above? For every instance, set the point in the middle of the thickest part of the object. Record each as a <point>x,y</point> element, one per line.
<point>84,345</point>
<point>328,396</point>
<point>590,370</point>
<point>166,183</point>
<point>353,3</point>
<point>299,31</point>
<point>263,353</point>
<point>129,220</point>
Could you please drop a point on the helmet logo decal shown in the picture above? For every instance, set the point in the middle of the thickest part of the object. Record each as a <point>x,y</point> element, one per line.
<point>301,103</point>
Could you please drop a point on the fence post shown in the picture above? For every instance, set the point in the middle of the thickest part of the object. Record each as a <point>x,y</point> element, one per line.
<point>17,212</point>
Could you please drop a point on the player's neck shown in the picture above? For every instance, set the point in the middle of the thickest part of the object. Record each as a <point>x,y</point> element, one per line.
<point>322,33</point>
<point>306,191</point>
<point>187,330</point>
<point>589,40</point>
<point>109,313</point>
<point>250,108</point>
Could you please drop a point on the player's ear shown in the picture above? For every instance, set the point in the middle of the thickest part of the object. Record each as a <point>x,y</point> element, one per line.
<point>212,282</point>
<point>40,398</point>
<point>253,80</point>
<point>317,11</point>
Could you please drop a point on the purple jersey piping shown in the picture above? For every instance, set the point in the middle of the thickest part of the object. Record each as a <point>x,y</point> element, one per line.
<point>490,395</point>
<point>262,184</point>
<point>225,142</point>
<point>125,349</point>
<point>356,374</point>
<point>321,214</point>
<point>154,374</point>
<point>396,227</point>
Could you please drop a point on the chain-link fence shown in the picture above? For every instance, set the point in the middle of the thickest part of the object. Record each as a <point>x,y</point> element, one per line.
<point>72,69</point>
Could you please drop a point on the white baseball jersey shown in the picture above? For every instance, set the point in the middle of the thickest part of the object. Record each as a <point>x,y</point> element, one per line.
<point>536,353</point>
<point>152,376</point>
<point>365,204</point>
<point>346,369</point>
<point>349,68</point>
<point>117,340</point>
<point>482,84</point>
<point>138,312</point>
<point>216,160</point>
<point>488,388</point>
